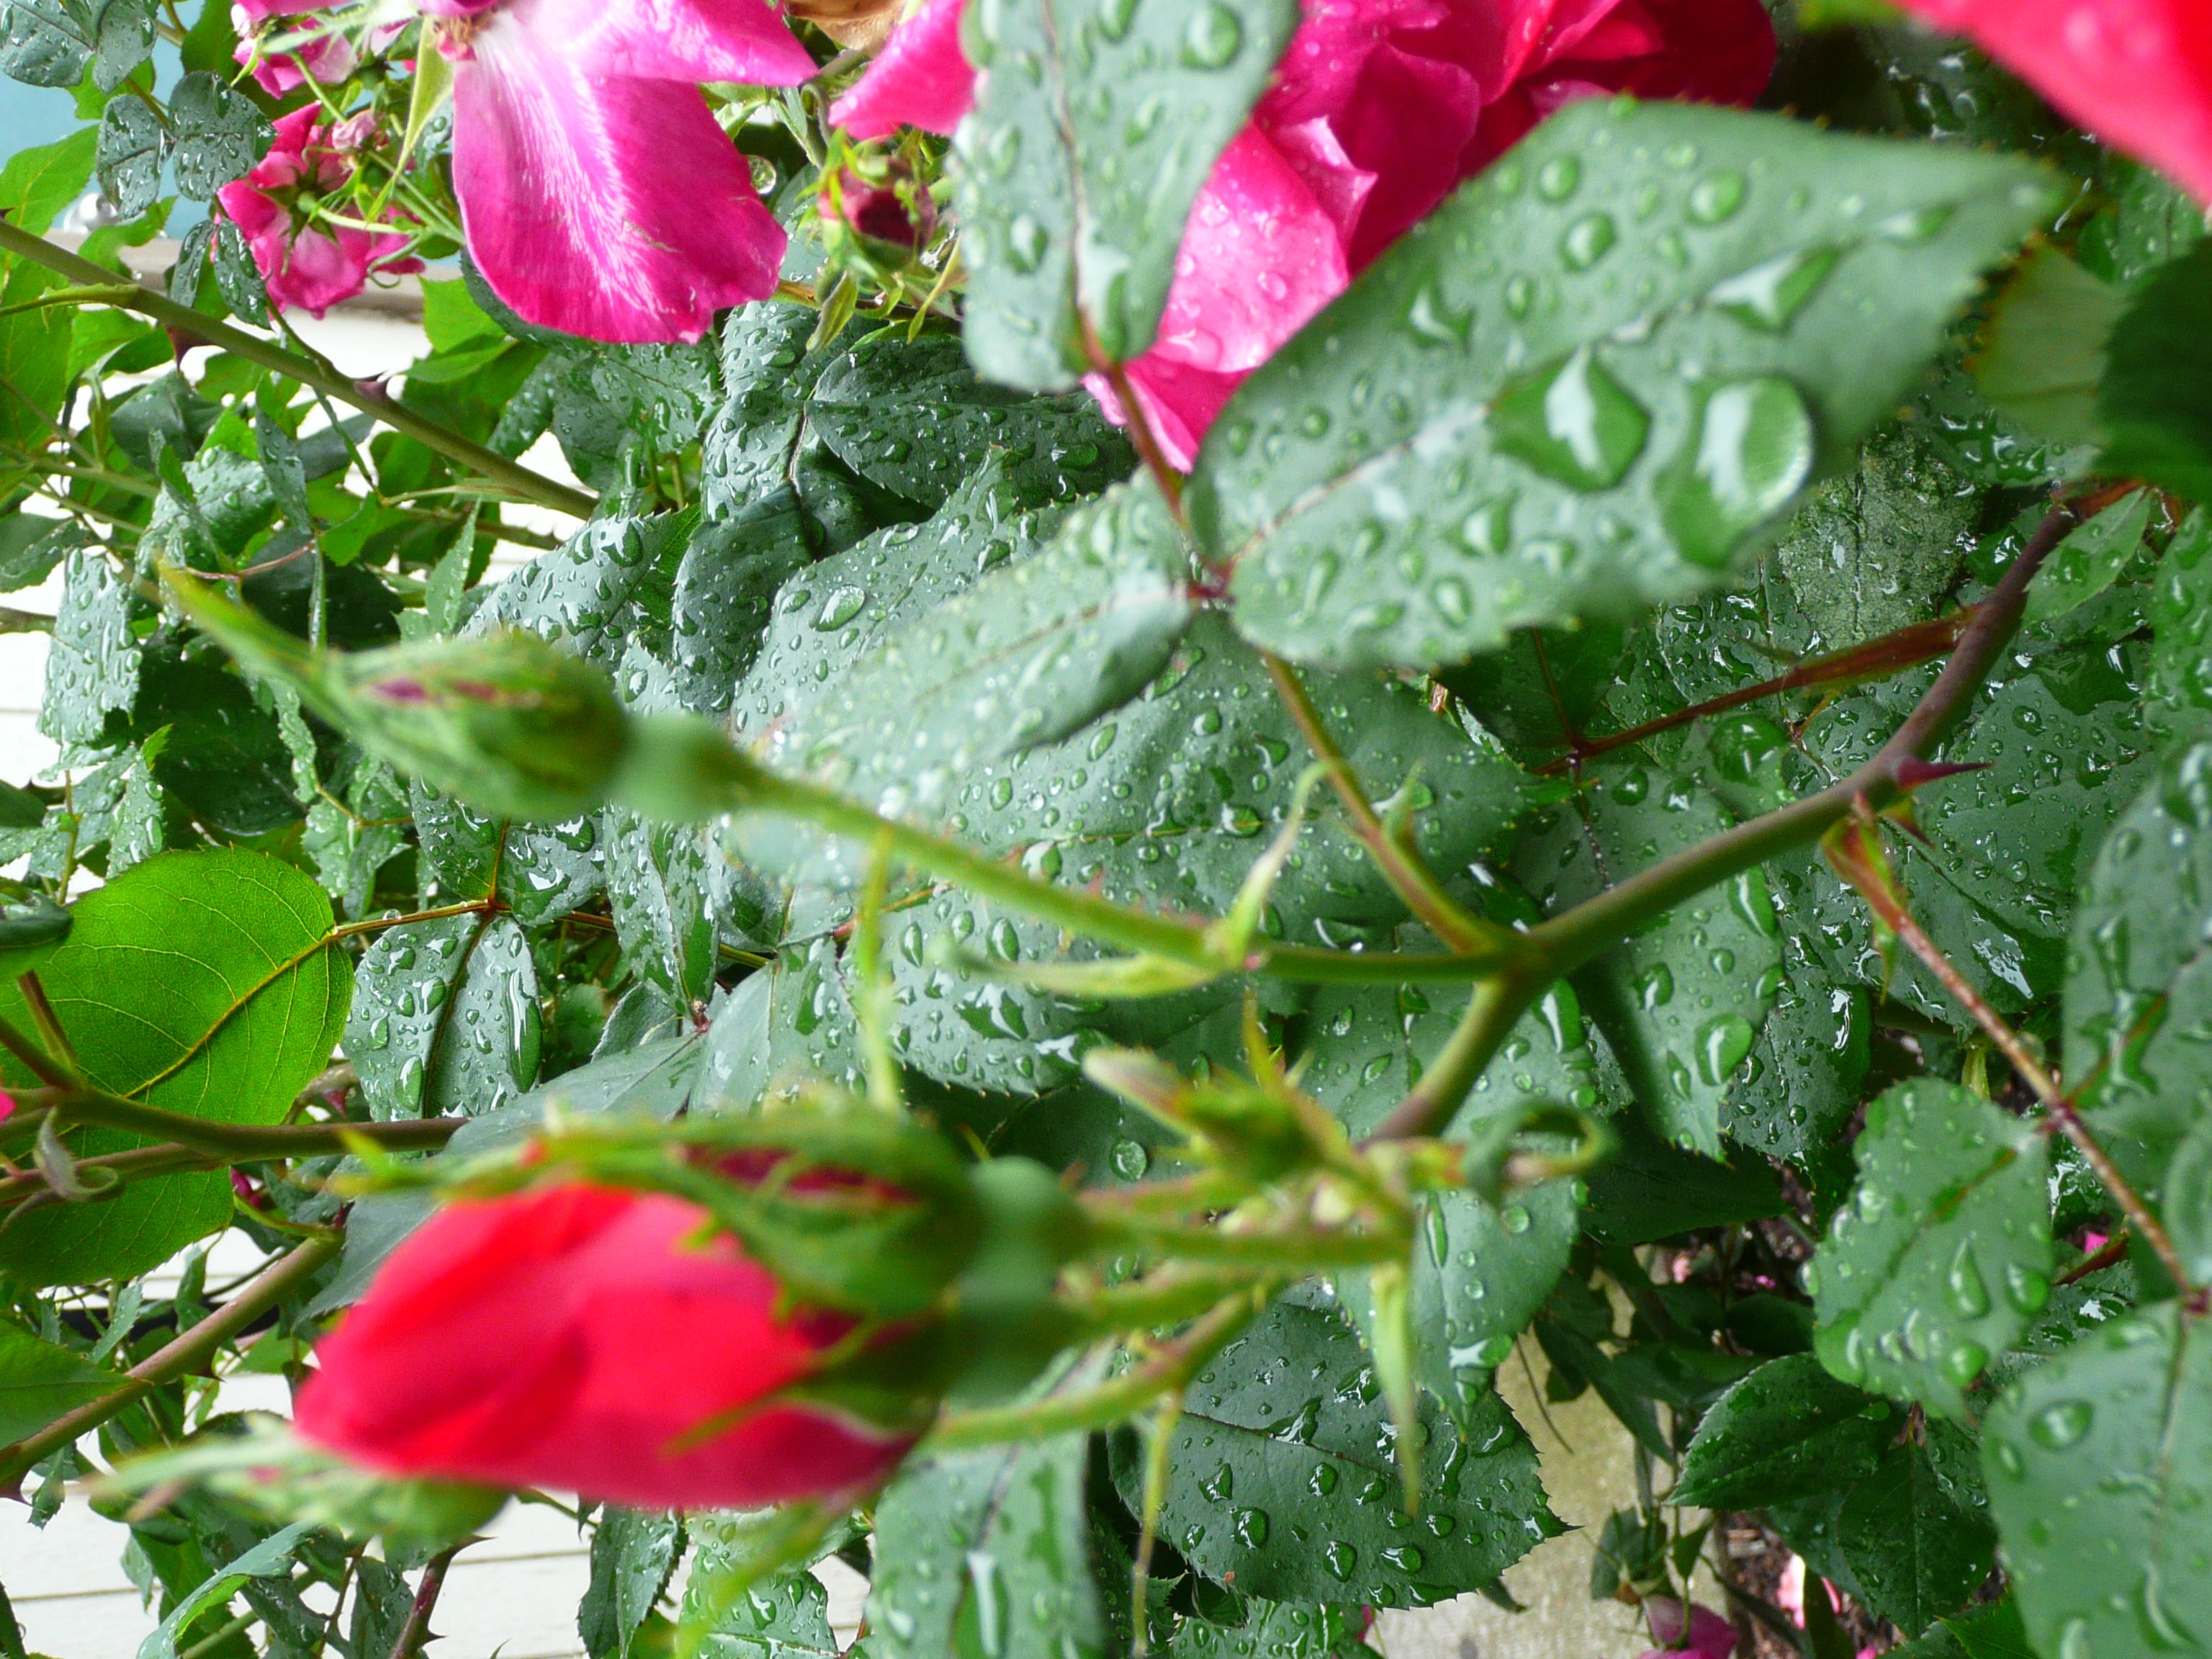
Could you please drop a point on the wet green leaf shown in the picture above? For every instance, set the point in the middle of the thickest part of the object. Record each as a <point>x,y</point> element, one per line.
<point>1786,1430</point>
<point>1943,1253</point>
<point>1492,430</point>
<point>1095,129</point>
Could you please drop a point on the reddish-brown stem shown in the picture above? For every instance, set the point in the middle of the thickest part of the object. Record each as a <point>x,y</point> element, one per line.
<point>1895,915</point>
<point>1892,654</point>
<point>416,1633</point>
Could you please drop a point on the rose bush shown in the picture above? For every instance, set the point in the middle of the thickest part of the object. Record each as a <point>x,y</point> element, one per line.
<point>1092,1015</point>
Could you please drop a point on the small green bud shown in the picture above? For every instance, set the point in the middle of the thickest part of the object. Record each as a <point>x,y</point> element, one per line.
<point>506,722</point>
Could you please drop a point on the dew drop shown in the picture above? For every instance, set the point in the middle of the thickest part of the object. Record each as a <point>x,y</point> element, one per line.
<point>1754,449</point>
<point>1214,37</point>
<point>1573,421</point>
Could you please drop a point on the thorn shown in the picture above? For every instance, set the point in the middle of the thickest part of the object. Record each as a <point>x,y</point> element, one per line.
<point>1913,773</point>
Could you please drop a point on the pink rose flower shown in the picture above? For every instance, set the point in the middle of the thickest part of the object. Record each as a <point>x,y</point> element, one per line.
<point>307,264</point>
<point>328,58</point>
<point>2136,73</point>
<point>599,193</point>
<point>1379,110</point>
<point>1706,1635</point>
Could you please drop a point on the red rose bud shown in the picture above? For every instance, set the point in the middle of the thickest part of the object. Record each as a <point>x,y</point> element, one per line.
<point>594,1341</point>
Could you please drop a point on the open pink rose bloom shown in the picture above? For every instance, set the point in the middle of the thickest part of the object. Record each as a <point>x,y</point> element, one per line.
<point>1379,108</point>
<point>308,266</point>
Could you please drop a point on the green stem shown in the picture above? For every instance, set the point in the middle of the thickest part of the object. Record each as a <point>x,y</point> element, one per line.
<point>1411,879</point>
<point>1168,1371</point>
<point>1306,1249</point>
<point>948,861</point>
<point>236,1142</point>
<point>1156,1303</point>
<point>125,296</point>
<point>191,1350</point>
<point>1557,947</point>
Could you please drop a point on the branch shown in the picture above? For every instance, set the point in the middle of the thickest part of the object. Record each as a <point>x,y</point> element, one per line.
<point>1408,875</point>
<point>193,1150</point>
<point>415,1634</point>
<point>128,296</point>
<point>189,1351</point>
<point>1892,654</point>
<point>1889,906</point>
<point>1557,948</point>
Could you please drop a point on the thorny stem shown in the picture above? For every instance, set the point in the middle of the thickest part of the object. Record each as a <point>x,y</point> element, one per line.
<point>1900,920</point>
<point>111,290</point>
<point>1170,1371</point>
<point>415,1634</point>
<point>190,1349</point>
<point>1892,654</point>
<point>1403,868</point>
<point>1568,941</point>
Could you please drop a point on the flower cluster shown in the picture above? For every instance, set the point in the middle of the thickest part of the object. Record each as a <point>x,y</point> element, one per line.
<point>309,261</point>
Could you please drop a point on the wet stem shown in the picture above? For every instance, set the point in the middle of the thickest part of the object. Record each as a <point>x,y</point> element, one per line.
<point>103,286</point>
<point>1890,909</point>
<point>1566,942</point>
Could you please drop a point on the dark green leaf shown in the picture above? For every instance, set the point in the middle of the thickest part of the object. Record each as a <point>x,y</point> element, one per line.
<point>1274,1630</point>
<point>1648,1190</point>
<point>785,1617</point>
<point>1027,656</point>
<point>987,1553</point>
<point>123,40</point>
<point>2141,987</point>
<point>633,1556</point>
<point>48,42</point>
<point>2044,357</point>
<point>1283,1476</point>
<point>1915,1550</point>
<point>2097,1466</point>
<point>1787,1430</point>
<point>1545,460</point>
<point>1681,1002</point>
<point>2156,404</point>
<point>133,146</point>
<point>445,1018</point>
<point>1943,1254</point>
<point>219,134</point>
<point>1094,132</point>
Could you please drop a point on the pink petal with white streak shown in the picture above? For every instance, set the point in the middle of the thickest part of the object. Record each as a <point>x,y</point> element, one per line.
<point>742,41</point>
<point>611,207</point>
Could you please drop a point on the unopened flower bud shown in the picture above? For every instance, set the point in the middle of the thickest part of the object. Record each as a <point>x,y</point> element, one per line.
<point>506,722</point>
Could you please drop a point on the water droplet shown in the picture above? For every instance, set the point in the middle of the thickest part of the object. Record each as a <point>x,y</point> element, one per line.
<point>840,607</point>
<point>1964,1363</point>
<point>1573,423</point>
<point>1588,241</point>
<point>1026,242</point>
<point>1252,1527</point>
<point>1405,1557</point>
<point>1322,1481</point>
<point>1130,1160</point>
<point>1559,178</point>
<point>1341,1558</point>
<point>1115,17</point>
<point>1768,297</point>
<point>1970,1294</point>
<point>2026,1289</point>
<point>2059,1426</point>
<point>1214,38</point>
<point>1723,1046</point>
<point>1754,449</point>
<point>1716,199</point>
